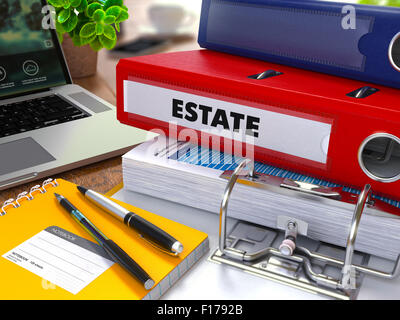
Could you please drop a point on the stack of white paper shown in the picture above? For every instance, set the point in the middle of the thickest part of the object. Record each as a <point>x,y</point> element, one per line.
<point>180,174</point>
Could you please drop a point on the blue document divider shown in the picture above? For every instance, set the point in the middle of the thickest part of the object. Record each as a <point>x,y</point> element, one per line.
<point>200,156</point>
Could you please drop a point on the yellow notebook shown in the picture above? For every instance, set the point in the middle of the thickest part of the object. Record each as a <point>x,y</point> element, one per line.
<point>26,244</point>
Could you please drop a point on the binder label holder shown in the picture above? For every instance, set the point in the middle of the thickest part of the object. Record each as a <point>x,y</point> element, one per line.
<point>285,254</point>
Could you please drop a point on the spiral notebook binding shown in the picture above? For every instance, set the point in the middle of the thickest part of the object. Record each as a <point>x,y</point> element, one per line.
<point>27,196</point>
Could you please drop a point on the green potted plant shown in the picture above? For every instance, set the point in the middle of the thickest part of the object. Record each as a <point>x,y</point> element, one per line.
<point>85,27</point>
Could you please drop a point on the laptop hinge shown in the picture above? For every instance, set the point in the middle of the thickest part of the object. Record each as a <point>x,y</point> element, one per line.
<point>24,94</point>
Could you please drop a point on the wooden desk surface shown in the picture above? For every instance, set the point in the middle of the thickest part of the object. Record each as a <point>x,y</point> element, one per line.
<point>105,175</point>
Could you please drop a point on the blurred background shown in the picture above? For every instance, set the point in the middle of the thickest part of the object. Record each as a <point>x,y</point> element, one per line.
<point>154,26</point>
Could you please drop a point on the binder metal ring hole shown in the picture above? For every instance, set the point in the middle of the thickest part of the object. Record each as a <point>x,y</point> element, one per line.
<point>363,92</point>
<point>379,157</point>
<point>265,75</point>
<point>394,52</point>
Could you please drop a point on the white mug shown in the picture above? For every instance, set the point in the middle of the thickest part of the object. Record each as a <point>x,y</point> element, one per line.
<point>168,19</point>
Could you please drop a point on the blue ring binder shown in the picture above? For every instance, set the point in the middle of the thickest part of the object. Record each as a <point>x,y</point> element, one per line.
<point>313,35</point>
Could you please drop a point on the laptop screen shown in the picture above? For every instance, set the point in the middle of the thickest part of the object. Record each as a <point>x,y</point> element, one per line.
<point>30,57</point>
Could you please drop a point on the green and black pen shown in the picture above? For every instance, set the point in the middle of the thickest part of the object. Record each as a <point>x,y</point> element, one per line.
<point>115,252</point>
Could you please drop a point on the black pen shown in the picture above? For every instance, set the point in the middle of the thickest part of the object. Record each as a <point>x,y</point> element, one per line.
<point>115,252</point>
<point>144,227</point>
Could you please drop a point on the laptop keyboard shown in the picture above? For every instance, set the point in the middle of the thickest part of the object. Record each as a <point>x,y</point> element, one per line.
<point>37,113</point>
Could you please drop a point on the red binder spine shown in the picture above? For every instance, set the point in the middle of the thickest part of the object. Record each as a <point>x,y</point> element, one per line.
<point>324,141</point>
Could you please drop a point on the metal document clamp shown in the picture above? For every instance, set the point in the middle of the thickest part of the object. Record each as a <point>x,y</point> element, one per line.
<point>346,286</point>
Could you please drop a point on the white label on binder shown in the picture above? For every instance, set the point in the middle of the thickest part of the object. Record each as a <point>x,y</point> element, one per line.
<point>301,137</point>
<point>60,258</point>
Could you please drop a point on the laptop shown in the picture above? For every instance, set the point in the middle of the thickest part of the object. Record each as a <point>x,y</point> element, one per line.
<point>47,123</point>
